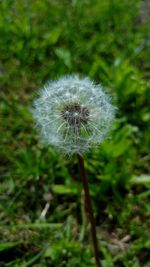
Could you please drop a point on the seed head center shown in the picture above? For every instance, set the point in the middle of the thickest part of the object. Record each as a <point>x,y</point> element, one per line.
<point>75,114</point>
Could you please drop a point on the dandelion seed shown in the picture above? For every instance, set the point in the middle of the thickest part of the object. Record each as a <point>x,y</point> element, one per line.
<point>73,114</point>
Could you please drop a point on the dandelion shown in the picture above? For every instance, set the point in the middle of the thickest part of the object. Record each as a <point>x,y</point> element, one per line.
<point>75,114</point>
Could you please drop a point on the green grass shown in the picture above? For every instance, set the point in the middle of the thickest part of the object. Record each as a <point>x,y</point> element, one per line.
<point>108,41</point>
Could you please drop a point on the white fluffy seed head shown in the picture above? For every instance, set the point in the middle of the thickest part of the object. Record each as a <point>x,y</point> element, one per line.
<point>73,114</point>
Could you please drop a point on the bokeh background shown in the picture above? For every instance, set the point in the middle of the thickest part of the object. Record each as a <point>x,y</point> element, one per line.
<point>41,219</point>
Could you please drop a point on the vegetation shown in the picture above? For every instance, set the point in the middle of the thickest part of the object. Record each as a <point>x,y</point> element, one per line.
<point>41,220</point>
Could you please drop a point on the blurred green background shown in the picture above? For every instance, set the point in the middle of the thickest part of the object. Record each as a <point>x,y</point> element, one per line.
<point>41,219</point>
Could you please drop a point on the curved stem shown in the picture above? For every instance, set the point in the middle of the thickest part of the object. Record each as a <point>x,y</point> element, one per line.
<point>89,209</point>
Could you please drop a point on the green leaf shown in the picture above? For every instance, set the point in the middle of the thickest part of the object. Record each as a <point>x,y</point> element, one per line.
<point>52,36</point>
<point>64,189</point>
<point>142,179</point>
<point>64,55</point>
<point>7,245</point>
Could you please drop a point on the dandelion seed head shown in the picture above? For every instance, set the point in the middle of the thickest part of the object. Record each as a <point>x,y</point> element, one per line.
<point>73,114</point>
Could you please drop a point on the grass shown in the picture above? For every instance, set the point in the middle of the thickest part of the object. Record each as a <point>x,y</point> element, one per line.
<point>108,41</point>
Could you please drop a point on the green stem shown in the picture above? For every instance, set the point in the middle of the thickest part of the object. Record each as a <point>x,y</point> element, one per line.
<point>89,209</point>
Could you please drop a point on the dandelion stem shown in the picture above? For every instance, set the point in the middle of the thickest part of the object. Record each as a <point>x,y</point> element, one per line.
<point>89,209</point>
